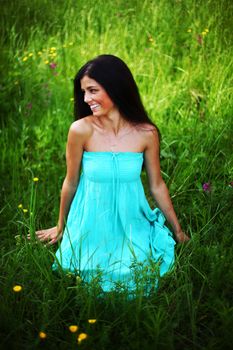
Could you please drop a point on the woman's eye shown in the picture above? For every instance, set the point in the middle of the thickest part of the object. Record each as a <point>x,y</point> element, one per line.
<point>93,90</point>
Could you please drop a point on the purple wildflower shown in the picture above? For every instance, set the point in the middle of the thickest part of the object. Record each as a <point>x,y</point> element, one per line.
<point>206,187</point>
<point>53,65</point>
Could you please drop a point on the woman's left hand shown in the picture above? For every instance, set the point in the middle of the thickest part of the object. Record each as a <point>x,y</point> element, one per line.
<point>181,237</point>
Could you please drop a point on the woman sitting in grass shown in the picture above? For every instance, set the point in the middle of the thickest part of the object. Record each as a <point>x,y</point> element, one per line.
<point>105,221</point>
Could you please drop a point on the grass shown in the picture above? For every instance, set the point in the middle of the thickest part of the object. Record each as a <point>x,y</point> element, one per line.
<point>180,53</point>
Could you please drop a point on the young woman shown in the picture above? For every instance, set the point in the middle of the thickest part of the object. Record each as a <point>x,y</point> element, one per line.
<point>105,221</point>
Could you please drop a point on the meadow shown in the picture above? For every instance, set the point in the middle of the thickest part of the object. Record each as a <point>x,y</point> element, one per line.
<point>180,53</point>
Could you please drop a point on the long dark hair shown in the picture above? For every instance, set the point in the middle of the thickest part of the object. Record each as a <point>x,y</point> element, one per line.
<point>117,80</point>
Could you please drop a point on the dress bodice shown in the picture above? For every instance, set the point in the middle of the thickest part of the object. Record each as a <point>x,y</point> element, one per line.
<point>110,166</point>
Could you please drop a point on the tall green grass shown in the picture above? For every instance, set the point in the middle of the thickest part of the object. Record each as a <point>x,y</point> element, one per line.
<point>180,53</point>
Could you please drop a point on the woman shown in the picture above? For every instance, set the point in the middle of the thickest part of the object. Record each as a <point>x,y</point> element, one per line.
<point>105,220</point>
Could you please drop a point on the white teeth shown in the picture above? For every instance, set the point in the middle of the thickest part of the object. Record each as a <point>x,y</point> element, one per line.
<point>94,106</point>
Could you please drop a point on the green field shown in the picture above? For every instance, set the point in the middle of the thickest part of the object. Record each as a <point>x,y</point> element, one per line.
<point>180,53</point>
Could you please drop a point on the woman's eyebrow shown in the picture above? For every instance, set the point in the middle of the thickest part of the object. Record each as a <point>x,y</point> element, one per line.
<point>89,87</point>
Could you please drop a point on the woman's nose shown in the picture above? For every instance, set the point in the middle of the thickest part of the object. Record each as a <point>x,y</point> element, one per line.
<point>87,97</point>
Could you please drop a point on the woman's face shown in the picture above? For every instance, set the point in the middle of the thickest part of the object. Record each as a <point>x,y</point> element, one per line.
<point>96,97</point>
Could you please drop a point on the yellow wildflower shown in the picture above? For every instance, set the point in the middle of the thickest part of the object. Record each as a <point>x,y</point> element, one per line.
<point>189,30</point>
<point>73,328</point>
<point>35,179</point>
<point>69,274</point>
<point>53,49</point>
<point>203,33</point>
<point>78,279</point>
<point>30,54</point>
<point>17,288</point>
<point>46,62</point>
<point>25,59</point>
<point>81,337</point>
<point>207,30</point>
<point>20,206</point>
<point>71,99</point>
<point>25,210</point>
<point>39,53</point>
<point>42,335</point>
<point>92,320</point>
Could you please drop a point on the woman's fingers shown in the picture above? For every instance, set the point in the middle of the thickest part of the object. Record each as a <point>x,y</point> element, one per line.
<point>50,235</point>
<point>40,238</point>
<point>44,238</point>
<point>186,238</point>
<point>42,233</point>
<point>46,234</point>
<point>53,241</point>
<point>56,238</point>
<point>182,237</point>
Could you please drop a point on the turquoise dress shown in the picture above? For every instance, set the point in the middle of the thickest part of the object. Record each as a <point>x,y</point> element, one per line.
<point>111,231</point>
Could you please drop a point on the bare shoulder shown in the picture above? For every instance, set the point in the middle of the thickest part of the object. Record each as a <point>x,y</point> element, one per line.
<point>82,127</point>
<point>149,133</point>
<point>146,127</point>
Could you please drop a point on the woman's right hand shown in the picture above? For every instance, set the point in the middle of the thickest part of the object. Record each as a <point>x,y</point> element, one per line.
<point>50,235</point>
<point>181,237</point>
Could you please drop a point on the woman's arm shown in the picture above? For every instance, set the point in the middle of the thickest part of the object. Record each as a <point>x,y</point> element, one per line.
<point>157,186</point>
<point>78,133</point>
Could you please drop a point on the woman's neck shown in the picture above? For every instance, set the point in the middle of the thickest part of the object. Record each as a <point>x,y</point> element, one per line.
<point>113,123</point>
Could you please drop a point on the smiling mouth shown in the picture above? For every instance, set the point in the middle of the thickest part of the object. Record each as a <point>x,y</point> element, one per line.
<point>93,107</point>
